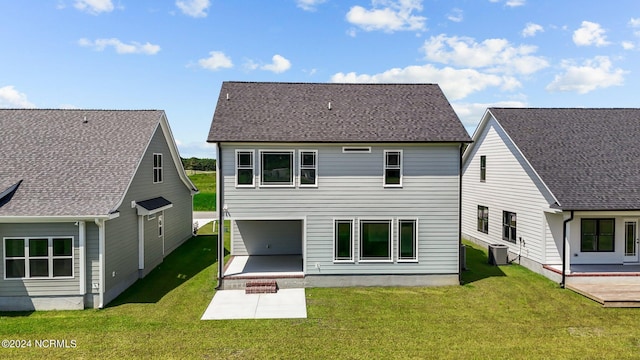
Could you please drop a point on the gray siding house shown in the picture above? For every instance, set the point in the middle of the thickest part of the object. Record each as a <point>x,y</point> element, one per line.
<point>559,187</point>
<point>90,201</point>
<point>360,181</point>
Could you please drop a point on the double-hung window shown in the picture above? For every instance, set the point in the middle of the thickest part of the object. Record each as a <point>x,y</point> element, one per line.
<point>157,168</point>
<point>375,240</point>
<point>343,241</point>
<point>597,235</point>
<point>308,168</point>
<point>393,168</point>
<point>509,226</point>
<point>407,234</point>
<point>483,219</point>
<point>244,168</point>
<point>276,168</point>
<point>38,257</point>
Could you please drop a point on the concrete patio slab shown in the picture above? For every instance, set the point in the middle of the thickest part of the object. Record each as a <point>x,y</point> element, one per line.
<point>235,304</point>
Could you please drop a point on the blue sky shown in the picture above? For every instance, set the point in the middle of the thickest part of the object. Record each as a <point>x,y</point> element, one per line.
<point>173,55</point>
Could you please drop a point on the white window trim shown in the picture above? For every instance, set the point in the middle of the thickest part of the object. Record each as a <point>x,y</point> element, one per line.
<point>293,167</point>
<point>253,168</point>
<point>301,167</point>
<point>160,226</point>
<point>384,169</point>
<point>50,257</point>
<point>356,149</point>
<point>391,242</point>
<point>416,244</point>
<point>158,168</point>
<point>353,247</point>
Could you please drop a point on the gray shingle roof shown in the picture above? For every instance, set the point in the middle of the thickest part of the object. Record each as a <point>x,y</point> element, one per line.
<point>71,167</point>
<point>299,112</point>
<point>589,158</point>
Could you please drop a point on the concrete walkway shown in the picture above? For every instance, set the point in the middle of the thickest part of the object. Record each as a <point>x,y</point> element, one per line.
<point>235,304</point>
<point>204,217</point>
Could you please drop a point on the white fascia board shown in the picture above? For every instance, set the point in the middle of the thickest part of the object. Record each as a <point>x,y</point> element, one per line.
<point>55,219</point>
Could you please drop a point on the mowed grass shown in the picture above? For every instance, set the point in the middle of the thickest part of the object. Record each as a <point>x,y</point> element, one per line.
<point>502,312</point>
<point>206,199</point>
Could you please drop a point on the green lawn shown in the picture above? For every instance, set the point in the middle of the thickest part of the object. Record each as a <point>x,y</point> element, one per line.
<point>500,313</point>
<point>206,199</point>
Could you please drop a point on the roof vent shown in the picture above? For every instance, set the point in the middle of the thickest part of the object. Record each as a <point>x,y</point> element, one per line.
<point>84,121</point>
<point>329,105</point>
<point>227,96</point>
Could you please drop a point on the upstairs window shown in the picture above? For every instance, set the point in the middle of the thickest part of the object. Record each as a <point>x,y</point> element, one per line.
<point>393,168</point>
<point>308,168</point>
<point>509,226</point>
<point>483,219</point>
<point>244,168</point>
<point>157,168</point>
<point>483,168</point>
<point>276,168</point>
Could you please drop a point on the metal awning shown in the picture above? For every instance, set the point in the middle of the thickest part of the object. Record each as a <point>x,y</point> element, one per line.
<point>152,206</point>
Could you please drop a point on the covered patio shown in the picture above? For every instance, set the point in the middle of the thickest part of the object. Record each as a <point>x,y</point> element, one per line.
<point>264,266</point>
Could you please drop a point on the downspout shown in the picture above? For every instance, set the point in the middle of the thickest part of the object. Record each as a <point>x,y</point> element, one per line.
<point>100,224</point>
<point>460,264</point>
<point>219,191</point>
<point>564,248</point>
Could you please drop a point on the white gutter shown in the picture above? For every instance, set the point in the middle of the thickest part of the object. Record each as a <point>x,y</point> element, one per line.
<point>101,280</point>
<point>69,218</point>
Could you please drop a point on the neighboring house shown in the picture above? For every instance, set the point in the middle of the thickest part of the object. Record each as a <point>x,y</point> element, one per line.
<point>360,181</point>
<point>534,177</point>
<point>90,201</point>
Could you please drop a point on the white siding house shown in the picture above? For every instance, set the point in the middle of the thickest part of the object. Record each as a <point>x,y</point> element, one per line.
<point>83,195</point>
<point>530,171</point>
<point>360,181</point>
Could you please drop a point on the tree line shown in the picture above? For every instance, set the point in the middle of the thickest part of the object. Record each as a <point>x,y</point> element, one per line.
<point>199,164</point>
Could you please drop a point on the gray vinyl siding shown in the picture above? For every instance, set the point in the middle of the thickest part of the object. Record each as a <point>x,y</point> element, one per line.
<point>92,262</point>
<point>41,287</point>
<point>350,186</point>
<point>511,185</point>
<point>122,232</point>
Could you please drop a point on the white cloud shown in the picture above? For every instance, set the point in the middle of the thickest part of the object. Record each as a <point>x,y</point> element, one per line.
<point>94,6</point>
<point>628,45</point>
<point>531,29</point>
<point>388,16</point>
<point>279,64</point>
<point>594,73</point>
<point>120,47</point>
<point>471,113</point>
<point>12,98</point>
<point>198,149</point>
<point>515,3</point>
<point>494,55</point>
<point>68,107</point>
<point>634,22</point>
<point>309,5</point>
<point>590,33</point>
<point>456,15</point>
<point>456,83</point>
<point>194,8</point>
<point>217,60</point>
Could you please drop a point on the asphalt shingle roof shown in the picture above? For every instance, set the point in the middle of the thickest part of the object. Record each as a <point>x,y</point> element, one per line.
<point>589,158</point>
<point>300,112</point>
<point>69,166</point>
